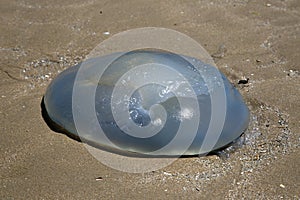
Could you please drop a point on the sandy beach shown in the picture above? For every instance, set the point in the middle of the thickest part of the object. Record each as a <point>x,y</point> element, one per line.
<point>39,39</point>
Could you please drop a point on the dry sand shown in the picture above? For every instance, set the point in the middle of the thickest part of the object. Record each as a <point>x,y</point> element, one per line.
<point>41,38</point>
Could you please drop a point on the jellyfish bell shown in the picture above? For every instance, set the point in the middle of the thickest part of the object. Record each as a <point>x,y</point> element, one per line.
<point>148,102</point>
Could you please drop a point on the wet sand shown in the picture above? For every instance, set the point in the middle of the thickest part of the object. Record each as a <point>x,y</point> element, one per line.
<point>40,39</point>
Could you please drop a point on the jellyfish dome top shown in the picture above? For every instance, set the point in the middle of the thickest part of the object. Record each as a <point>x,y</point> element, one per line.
<point>148,102</point>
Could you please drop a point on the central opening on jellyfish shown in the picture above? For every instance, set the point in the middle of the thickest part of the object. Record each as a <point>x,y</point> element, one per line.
<point>141,104</point>
<point>140,116</point>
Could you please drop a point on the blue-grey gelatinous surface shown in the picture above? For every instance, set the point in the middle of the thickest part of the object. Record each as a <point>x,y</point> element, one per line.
<point>58,103</point>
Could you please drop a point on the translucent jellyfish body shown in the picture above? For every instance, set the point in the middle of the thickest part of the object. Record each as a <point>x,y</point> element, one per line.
<point>148,102</point>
